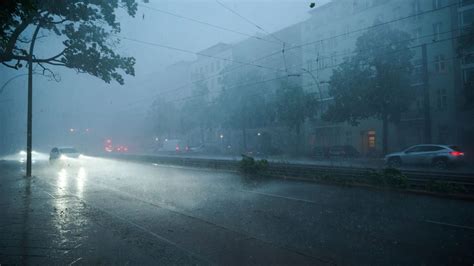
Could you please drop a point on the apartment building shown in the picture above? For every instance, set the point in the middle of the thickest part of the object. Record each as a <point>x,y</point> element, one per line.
<point>331,34</point>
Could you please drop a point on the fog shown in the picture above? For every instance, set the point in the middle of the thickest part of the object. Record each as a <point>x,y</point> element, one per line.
<point>80,101</point>
<point>264,78</point>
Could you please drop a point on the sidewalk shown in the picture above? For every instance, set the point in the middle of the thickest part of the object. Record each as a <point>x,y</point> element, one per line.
<point>41,225</point>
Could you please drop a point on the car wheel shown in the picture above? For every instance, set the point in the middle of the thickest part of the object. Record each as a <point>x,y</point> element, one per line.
<point>394,162</point>
<point>440,164</point>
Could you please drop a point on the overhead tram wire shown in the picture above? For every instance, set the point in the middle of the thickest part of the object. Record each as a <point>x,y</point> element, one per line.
<point>303,86</point>
<point>321,58</point>
<point>258,27</point>
<point>320,40</point>
<point>357,30</point>
<point>206,23</point>
<point>328,38</point>
<point>194,53</point>
<point>319,69</point>
<point>248,21</point>
<point>273,79</point>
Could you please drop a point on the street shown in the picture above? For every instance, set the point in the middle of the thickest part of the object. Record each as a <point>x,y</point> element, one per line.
<point>114,212</point>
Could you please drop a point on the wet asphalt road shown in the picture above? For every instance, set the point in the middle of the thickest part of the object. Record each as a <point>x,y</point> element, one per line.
<point>147,213</point>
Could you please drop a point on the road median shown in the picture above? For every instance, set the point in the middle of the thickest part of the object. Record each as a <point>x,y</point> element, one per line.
<point>446,184</point>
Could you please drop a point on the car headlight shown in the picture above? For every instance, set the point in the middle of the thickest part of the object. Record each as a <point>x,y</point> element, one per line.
<point>22,152</point>
<point>63,157</point>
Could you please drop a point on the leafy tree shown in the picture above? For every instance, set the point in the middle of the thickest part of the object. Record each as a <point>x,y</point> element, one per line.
<point>195,113</point>
<point>84,31</point>
<point>293,106</point>
<point>242,102</point>
<point>375,81</point>
<point>164,118</point>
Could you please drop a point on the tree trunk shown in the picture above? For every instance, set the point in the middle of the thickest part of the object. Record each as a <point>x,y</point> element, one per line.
<point>385,134</point>
<point>29,119</point>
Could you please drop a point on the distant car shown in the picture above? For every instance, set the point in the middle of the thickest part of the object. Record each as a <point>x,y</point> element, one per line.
<point>34,155</point>
<point>345,151</point>
<point>172,145</point>
<point>63,154</point>
<point>121,148</point>
<point>438,156</point>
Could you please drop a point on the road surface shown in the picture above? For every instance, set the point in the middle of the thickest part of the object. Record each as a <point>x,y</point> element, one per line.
<point>115,212</point>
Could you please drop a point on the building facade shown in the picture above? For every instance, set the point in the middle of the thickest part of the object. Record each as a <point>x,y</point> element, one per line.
<point>434,26</point>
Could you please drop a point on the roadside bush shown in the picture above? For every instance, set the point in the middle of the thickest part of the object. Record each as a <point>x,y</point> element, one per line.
<point>393,177</point>
<point>249,165</point>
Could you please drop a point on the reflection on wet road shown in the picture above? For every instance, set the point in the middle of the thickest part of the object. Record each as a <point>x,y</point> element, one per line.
<point>224,218</point>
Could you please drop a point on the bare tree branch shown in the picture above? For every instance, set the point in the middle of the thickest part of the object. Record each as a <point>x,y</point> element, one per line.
<point>49,59</point>
<point>10,66</point>
<point>49,73</point>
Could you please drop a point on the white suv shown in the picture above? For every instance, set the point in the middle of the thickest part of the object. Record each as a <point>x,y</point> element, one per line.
<point>439,156</point>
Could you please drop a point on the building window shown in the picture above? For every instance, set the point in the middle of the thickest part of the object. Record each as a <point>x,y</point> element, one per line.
<point>469,87</point>
<point>436,31</point>
<point>467,17</point>
<point>467,2</point>
<point>371,139</point>
<point>440,64</point>
<point>441,99</point>
<point>417,34</point>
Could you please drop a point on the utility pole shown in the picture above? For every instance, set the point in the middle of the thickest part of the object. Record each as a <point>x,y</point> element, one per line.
<point>30,103</point>
<point>29,115</point>
<point>426,96</point>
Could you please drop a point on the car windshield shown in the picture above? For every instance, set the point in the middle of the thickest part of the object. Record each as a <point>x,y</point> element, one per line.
<point>68,150</point>
<point>237,132</point>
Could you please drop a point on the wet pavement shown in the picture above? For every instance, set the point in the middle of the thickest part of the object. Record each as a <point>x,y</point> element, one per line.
<point>103,211</point>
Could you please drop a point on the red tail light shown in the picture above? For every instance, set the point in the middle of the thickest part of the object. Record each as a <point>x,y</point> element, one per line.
<point>177,148</point>
<point>456,153</point>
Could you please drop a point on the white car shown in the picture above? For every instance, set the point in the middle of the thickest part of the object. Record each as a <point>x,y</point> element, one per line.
<point>439,156</point>
<point>64,154</point>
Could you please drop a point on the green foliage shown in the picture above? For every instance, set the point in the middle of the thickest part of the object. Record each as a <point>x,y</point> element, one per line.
<point>293,105</point>
<point>164,118</point>
<point>242,103</point>
<point>249,165</point>
<point>374,82</point>
<point>86,29</point>
<point>196,113</point>
<point>390,177</point>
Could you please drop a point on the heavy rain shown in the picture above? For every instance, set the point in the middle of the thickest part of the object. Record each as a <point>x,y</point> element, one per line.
<point>237,132</point>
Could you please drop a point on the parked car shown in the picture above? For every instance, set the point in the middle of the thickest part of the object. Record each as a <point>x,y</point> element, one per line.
<point>64,154</point>
<point>172,146</point>
<point>438,156</point>
<point>345,151</point>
